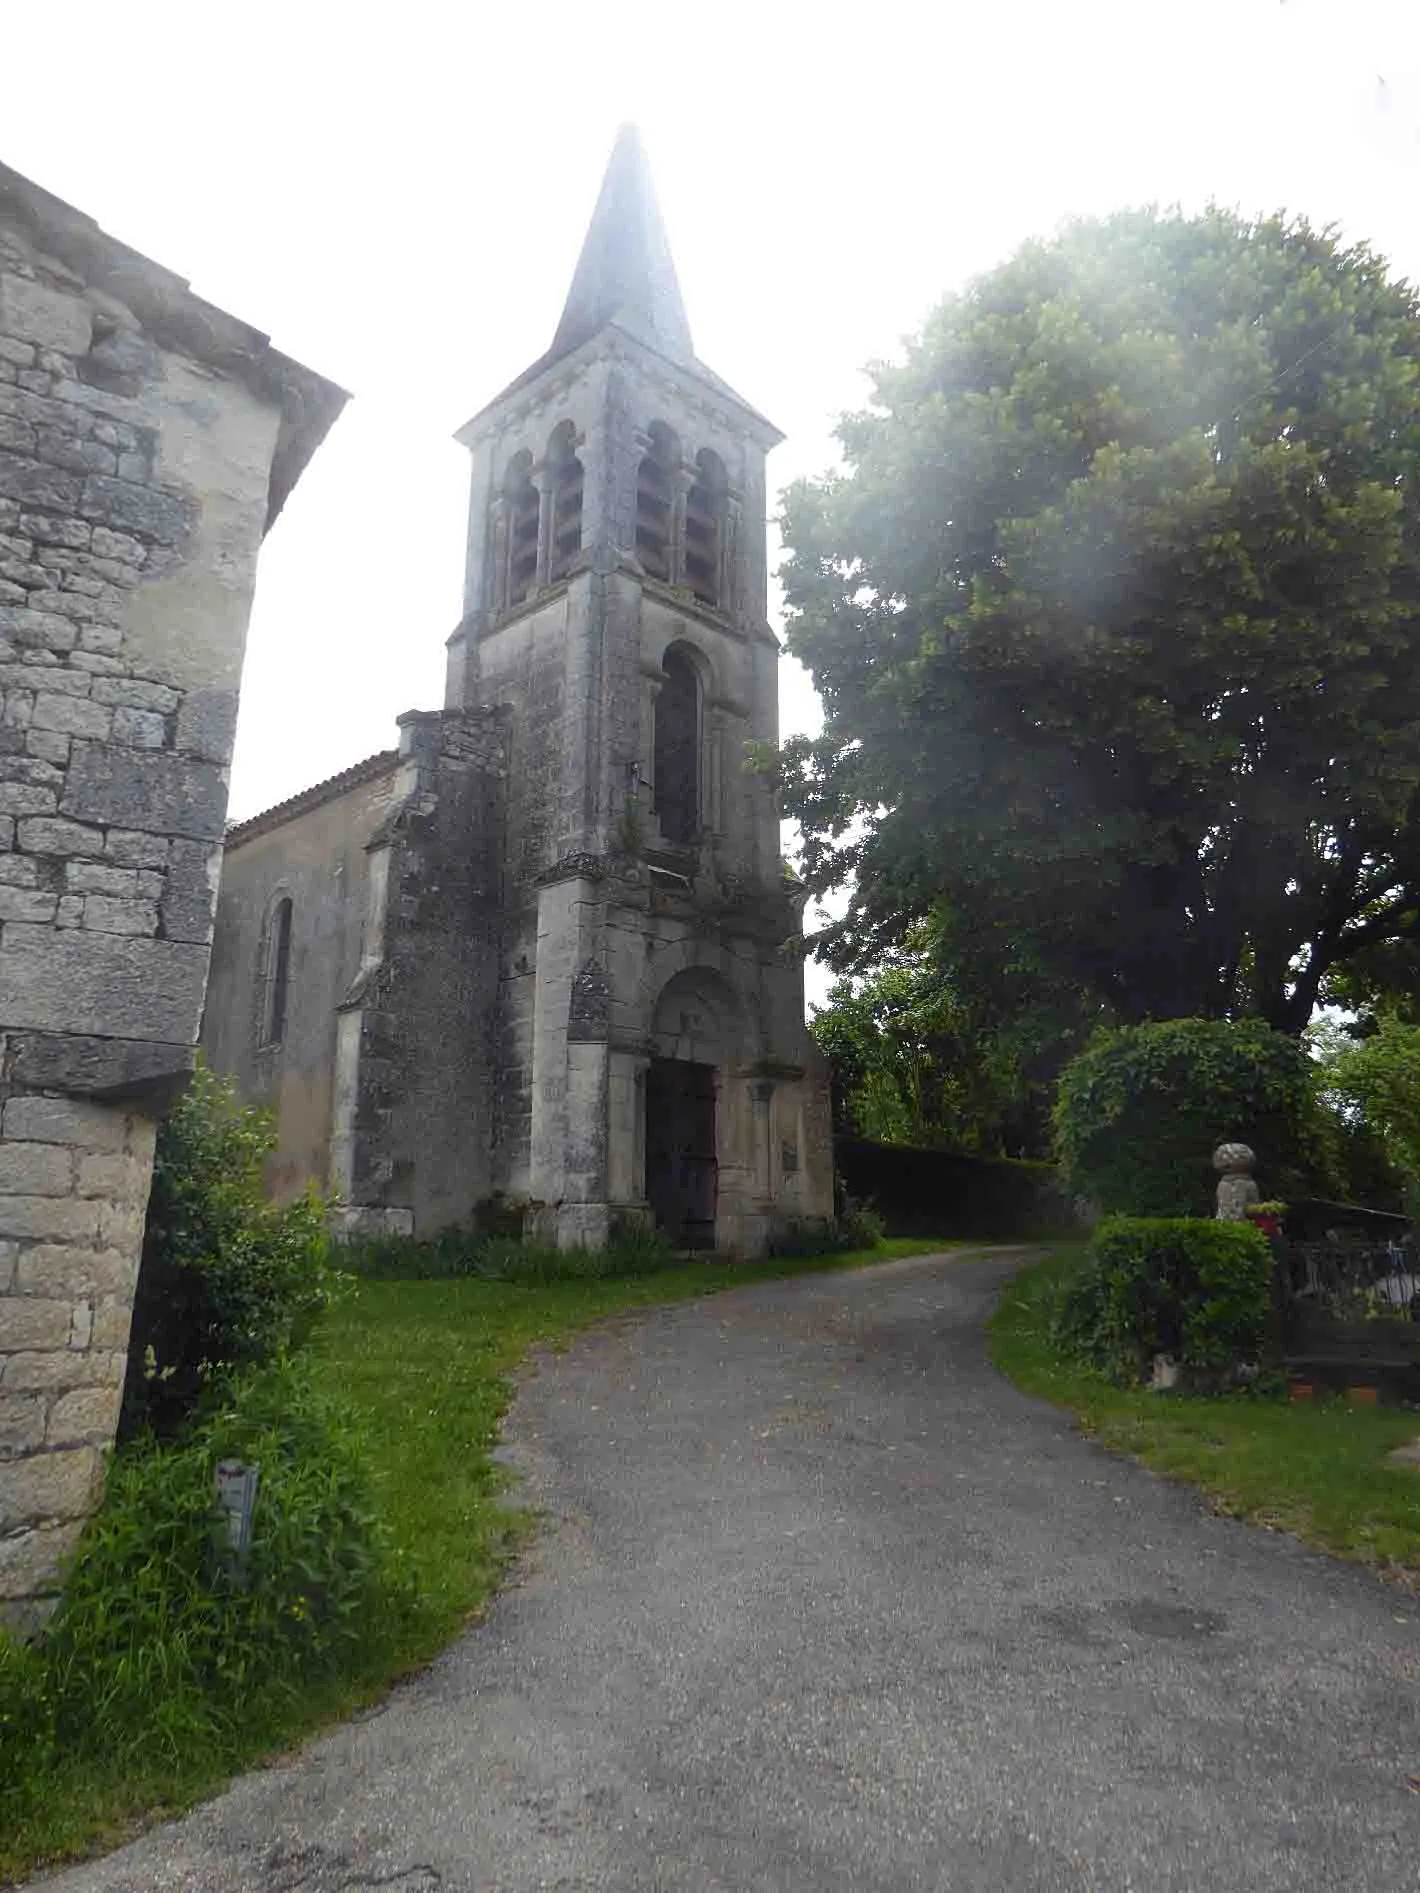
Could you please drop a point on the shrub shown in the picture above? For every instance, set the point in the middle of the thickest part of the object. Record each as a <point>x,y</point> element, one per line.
<point>227,1280</point>
<point>161,1651</point>
<point>857,1226</point>
<point>1141,1110</point>
<point>1196,1289</point>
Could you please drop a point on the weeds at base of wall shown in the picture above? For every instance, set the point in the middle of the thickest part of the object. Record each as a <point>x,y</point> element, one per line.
<point>502,1257</point>
<point>168,1661</point>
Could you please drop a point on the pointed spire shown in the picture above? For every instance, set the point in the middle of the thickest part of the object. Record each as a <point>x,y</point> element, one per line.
<point>625,273</point>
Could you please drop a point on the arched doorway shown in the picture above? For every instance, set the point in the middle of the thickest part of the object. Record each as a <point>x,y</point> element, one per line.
<point>691,1032</point>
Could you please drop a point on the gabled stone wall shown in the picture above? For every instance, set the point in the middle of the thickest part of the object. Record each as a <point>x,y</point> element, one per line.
<point>146,441</point>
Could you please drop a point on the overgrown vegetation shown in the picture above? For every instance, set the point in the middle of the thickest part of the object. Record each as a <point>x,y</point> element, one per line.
<point>228,1280</point>
<point>1318,1470</point>
<point>1197,1291</point>
<point>1141,1110</point>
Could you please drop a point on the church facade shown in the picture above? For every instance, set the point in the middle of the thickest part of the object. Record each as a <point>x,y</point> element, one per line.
<point>545,947</point>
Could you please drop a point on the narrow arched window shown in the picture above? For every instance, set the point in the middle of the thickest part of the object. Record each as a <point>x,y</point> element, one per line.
<point>677,747</point>
<point>565,483</point>
<point>705,527</point>
<point>520,499</point>
<point>655,502</point>
<point>276,972</point>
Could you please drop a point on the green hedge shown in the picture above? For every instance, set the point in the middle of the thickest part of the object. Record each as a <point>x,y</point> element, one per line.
<point>1141,1110</point>
<point>1192,1288</point>
<point>948,1193</point>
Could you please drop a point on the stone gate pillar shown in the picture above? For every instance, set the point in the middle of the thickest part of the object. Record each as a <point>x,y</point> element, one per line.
<point>147,440</point>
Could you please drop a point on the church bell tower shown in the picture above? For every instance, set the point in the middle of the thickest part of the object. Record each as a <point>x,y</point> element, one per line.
<point>650,1052</point>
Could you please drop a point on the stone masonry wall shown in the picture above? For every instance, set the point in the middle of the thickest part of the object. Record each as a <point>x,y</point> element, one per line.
<point>145,442</point>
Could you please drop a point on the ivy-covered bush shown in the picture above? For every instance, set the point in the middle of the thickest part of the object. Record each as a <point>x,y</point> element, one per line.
<point>1193,1288</point>
<point>1141,1110</point>
<point>227,1280</point>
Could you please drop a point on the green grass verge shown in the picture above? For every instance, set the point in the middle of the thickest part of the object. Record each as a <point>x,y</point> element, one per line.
<point>426,1370</point>
<point>1318,1471</point>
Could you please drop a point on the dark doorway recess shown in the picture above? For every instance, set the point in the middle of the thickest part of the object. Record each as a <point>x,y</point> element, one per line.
<point>680,1150</point>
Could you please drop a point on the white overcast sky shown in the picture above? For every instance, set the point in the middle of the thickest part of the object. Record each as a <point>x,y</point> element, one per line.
<point>397,195</point>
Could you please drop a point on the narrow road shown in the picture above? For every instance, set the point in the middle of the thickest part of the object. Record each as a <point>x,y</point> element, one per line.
<point>825,1604</point>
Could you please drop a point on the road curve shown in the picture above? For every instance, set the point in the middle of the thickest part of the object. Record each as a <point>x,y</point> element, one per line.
<point>823,1603</point>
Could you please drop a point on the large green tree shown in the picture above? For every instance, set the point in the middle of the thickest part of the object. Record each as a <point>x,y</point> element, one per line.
<point>1115,612</point>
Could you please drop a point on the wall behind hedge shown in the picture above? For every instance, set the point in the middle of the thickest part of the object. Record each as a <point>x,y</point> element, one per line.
<point>947,1193</point>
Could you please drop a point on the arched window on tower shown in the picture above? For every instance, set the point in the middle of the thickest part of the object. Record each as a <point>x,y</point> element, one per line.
<point>676,759</point>
<point>655,502</point>
<point>565,483</point>
<point>520,498</point>
<point>276,971</point>
<point>705,526</point>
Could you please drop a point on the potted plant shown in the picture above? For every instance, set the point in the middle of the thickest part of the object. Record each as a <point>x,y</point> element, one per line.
<point>1267,1216</point>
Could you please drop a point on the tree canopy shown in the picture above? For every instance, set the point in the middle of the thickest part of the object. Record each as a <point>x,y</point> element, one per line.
<point>1114,608</point>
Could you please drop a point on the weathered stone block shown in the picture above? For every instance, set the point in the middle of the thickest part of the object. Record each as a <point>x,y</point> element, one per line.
<point>131,693</point>
<point>30,1561</point>
<point>65,1121</point>
<point>113,1318</point>
<point>38,836</point>
<point>32,313</point>
<point>103,914</point>
<point>101,983</point>
<point>43,629</point>
<point>163,518</point>
<point>142,729</point>
<point>49,1487</point>
<point>49,745</point>
<point>164,794</point>
<point>190,895</point>
<point>33,484</point>
<point>24,798</point>
<point>22,1417</point>
<point>153,1073</point>
<point>33,1169</point>
<point>96,877</point>
<point>49,1218</point>
<point>118,545</point>
<point>31,1322</point>
<point>72,716</point>
<point>131,849</point>
<point>48,676</point>
<point>89,1414</point>
<point>207,724</point>
<point>59,1369</point>
<point>115,1176</point>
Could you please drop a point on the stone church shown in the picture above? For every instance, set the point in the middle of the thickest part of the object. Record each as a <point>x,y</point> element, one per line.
<point>545,948</point>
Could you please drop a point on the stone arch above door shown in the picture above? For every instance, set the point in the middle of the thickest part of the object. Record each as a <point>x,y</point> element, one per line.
<point>697,1018</point>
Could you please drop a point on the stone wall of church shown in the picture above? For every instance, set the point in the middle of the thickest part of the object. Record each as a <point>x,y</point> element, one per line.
<point>139,431</point>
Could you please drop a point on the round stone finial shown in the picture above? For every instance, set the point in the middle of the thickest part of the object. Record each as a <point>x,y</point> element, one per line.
<point>1234,1160</point>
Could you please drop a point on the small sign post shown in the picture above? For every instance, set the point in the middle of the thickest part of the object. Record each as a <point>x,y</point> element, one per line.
<point>236,1499</point>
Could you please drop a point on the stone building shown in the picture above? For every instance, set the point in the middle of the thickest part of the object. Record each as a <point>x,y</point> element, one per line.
<point>543,947</point>
<point>147,440</point>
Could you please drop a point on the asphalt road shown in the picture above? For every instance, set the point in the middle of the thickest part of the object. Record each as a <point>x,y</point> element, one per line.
<point>825,1604</point>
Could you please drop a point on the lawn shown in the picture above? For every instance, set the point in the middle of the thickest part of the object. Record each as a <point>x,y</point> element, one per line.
<point>1318,1471</point>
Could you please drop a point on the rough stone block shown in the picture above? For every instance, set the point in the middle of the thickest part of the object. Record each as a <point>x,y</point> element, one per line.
<point>207,725</point>
<point>131,849</point>
<point>89,1414</point>
<point>152,1074</point>
<point>143,511</point>
<point>121,1224</point>
<point>25,798</point>
<point>96,877</point>
<point>114,1175</point>
<point>31,1561</point>
<point>72,716</point>
<point>33,484</point>
<point>131,693</point>
<point>191,893</point>
<point>59,1369</point>
<point>102,914</point>
<point>164,794</point>
<point>18,870</point>
<point>47,675</point>
<point>49,1218</point>
<point>65,1121</point>
<point>118,545</point>
<point>31,1322</point>
<point>113,1318</point>
<point>48,745</point>
<point>49,1487</point>
<point>42,630</point>
<point>34,1169</point>
<point>143,729</point>
<point>74,533</point>
<point>101,983</point>
<point>32,313</point>
<point>38,836</point>
<point>21,1423</point>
